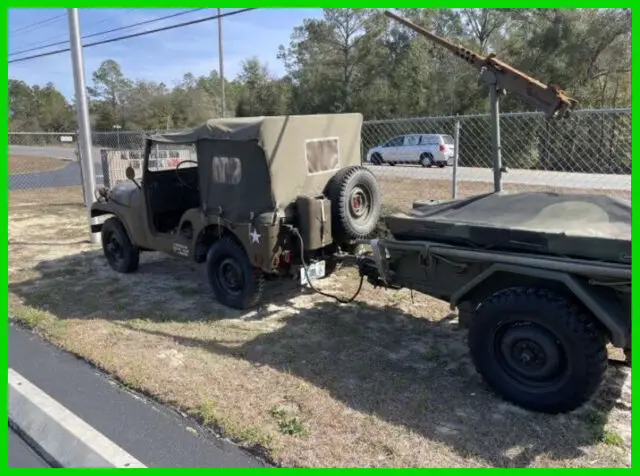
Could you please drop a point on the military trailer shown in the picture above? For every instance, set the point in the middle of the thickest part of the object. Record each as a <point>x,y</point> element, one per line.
<point>263,196</point>
<point>542,280</point>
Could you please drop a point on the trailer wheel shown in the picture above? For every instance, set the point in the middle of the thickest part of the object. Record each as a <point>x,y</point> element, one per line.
<point>122,255</point>
<point>355,203</point>
<point>235,282</point>
<point>537,349</point>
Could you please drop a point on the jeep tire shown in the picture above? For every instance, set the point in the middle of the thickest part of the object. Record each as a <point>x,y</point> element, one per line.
<point>538,349</point>
<point>235,282</point>
<point>355,203</point>
<point>122,255</point>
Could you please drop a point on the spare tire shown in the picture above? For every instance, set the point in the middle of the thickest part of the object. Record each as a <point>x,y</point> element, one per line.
<point>355,203</point>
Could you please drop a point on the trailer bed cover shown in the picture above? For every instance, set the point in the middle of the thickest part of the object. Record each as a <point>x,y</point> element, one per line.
<point>586,226</point>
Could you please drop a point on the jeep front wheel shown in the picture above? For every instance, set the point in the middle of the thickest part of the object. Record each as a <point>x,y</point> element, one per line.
<point>235,282</point>
<point>122,255</point>
<point>537,349</point>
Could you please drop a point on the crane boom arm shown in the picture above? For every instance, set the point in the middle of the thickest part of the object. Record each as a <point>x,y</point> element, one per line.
<point>550,99</point>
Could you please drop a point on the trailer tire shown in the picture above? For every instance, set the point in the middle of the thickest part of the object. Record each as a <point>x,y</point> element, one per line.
<point>121,254</point>
<point>538,349</point>
<point>356,203</point>
<point>235,282</point>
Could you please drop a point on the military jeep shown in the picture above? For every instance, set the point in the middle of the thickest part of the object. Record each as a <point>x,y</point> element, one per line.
<point>261,196</point>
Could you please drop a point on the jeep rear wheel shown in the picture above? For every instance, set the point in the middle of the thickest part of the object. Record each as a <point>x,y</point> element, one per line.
<point>537,349</point>
<point>234,280</point>
<point>355,203</point>
<point>122,255</point>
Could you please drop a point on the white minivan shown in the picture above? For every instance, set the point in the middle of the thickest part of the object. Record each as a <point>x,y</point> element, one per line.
<point>424,149</point>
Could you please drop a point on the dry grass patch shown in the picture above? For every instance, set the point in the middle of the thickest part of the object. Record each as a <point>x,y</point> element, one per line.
<point>34,198</point>
<point>26,164</point>
<point>384,381</point>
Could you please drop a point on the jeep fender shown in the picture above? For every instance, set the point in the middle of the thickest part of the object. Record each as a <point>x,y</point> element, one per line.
<point>99,209</point>
<point>605,311</point>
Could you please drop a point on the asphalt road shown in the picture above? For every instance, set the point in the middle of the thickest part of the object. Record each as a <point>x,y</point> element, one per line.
<point>71,176</point>
<point>68,176</point>
<point>150,432</point>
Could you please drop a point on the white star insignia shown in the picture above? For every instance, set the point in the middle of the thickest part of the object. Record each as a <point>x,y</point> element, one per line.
<point>255,236</point>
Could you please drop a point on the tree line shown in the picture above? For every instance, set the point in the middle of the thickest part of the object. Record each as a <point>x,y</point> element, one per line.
<point>359,60</point>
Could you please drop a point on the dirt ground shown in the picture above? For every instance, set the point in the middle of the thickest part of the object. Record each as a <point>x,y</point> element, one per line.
<point>22,164</point>
<point>383,382</point>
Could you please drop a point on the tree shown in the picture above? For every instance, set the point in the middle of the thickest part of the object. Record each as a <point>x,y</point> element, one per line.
<point>260,93</point>
<point>38,109</point>
<point>359,60</point>
<point>109,88</point>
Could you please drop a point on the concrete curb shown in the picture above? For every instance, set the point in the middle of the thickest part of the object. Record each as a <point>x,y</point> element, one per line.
<point>61,438</point>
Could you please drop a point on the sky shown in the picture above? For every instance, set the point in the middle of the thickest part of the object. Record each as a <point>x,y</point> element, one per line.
<point>162,57</point>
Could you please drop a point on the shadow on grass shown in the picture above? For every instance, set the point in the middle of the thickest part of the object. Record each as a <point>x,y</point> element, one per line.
<point>379,361</point>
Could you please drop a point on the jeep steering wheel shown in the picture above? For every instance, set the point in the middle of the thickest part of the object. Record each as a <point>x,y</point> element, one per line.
<point>178,172</point>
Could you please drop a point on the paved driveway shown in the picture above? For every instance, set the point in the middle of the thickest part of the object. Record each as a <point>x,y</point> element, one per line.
<point>70,175</point>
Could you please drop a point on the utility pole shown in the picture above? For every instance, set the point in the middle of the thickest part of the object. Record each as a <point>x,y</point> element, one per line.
<point>84,126</point>
<point>221,65</point>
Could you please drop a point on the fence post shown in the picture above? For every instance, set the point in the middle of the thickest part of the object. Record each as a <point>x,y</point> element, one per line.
<point>456,155</point>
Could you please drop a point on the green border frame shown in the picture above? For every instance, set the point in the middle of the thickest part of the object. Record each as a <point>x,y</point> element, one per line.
<point>296,4</point>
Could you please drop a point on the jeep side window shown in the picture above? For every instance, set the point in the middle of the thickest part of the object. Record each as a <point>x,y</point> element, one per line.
<point>322,154</point>
<point>168,157</point>
<point>227,170</point>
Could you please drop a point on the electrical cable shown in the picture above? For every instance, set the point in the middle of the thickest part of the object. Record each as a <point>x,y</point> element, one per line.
<point>105,32</point>
<point>306,273</point>
<point>134,35</point>
<point>38,23</point>
<point>90,25</point>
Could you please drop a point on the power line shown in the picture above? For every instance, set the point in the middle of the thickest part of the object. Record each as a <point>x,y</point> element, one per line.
<point>113,30</point>
<point>134,35</point>
<point>38,23</point>
<point>93,24</point>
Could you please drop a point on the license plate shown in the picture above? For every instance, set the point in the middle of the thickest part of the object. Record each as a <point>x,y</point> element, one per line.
<point>314,271</point>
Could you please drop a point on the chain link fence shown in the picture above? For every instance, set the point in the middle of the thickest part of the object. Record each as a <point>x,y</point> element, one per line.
<point>40,160</point>
<point>589,150</point>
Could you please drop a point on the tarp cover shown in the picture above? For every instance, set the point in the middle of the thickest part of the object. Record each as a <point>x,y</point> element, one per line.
<point>237,128</point>
<point>258,164</point>
<point>574,225</point>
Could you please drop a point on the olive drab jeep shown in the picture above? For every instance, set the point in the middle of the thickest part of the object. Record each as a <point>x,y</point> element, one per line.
<point>263,195</point>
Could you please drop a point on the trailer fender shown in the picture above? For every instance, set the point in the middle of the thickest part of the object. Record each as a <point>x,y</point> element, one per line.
<point>601,306</point>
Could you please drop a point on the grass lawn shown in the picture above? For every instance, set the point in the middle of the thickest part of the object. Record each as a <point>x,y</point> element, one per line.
<point>384,381</point>
<point>24,164</point>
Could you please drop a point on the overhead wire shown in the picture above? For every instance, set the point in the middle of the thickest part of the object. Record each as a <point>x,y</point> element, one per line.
<point>85,26</point>
<point>106,32</point>
<point>134,35</point>
<point>38,23</point>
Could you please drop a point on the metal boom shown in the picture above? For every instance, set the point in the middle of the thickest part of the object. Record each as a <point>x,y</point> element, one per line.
<point>501,78</point>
